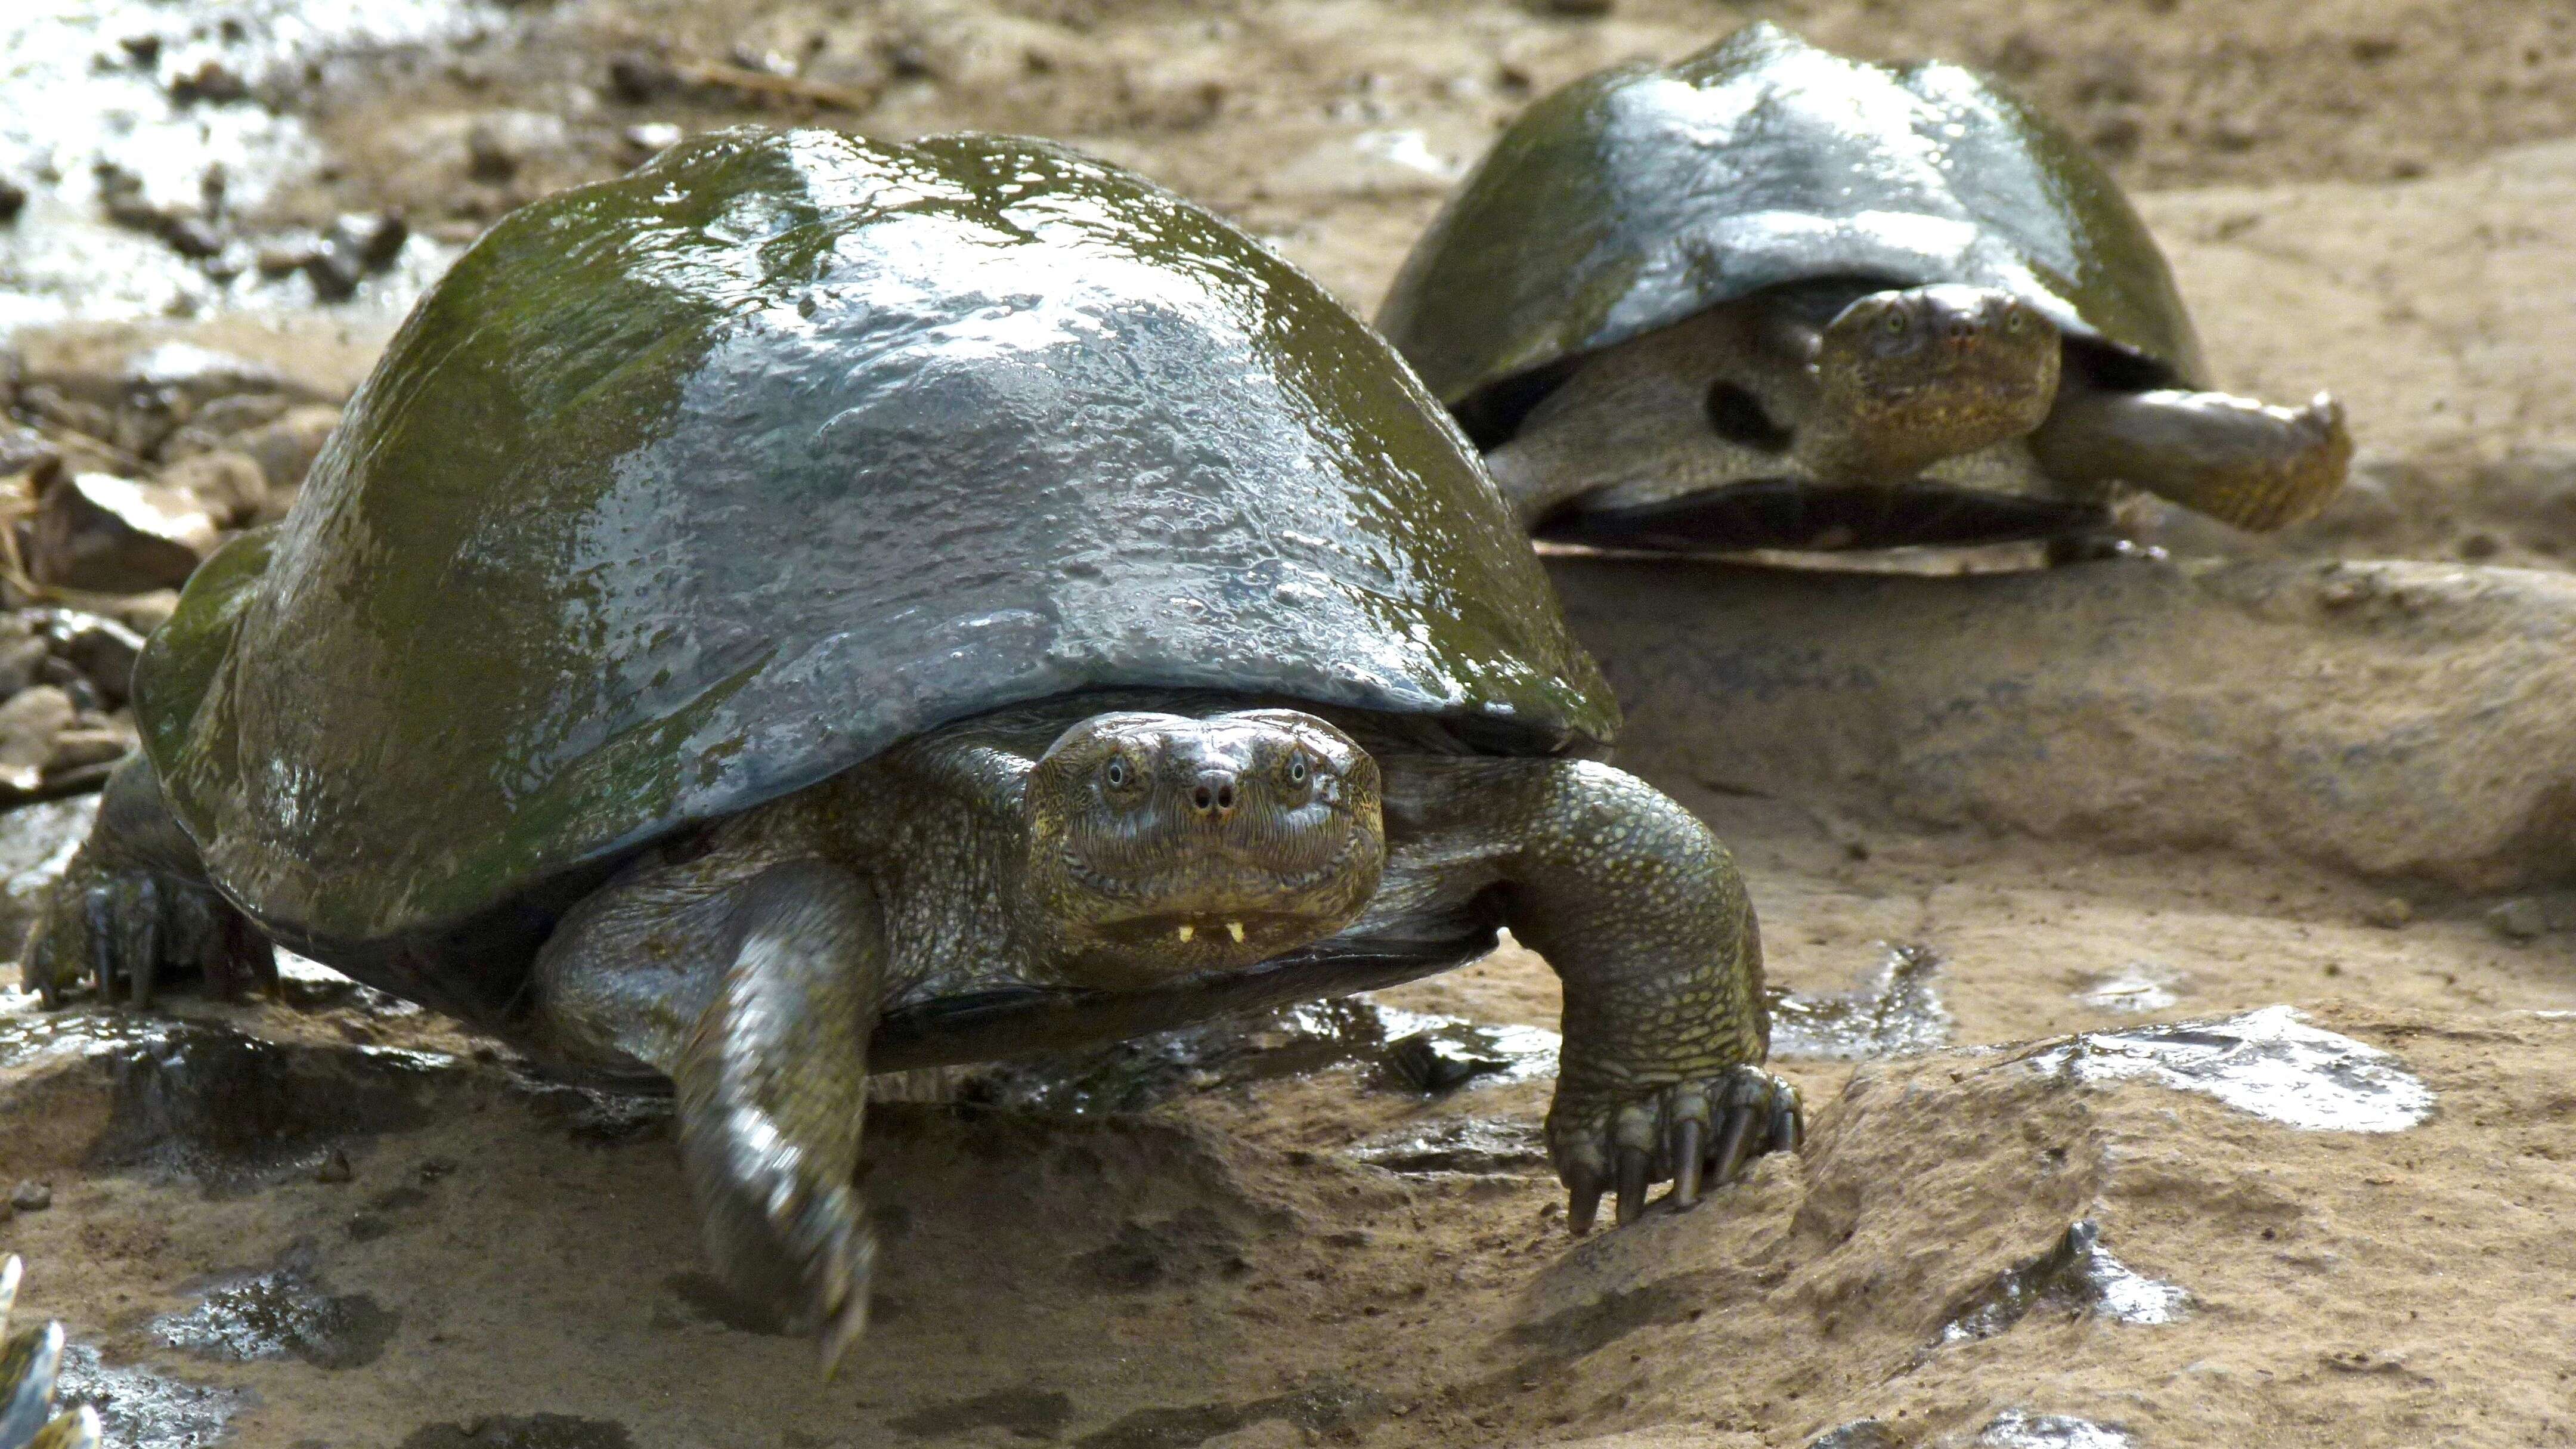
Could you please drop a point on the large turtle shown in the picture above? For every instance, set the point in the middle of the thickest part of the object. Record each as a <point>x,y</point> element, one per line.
<point>813,607</point>
<point>30,1361</point>
<point>1772,297</point>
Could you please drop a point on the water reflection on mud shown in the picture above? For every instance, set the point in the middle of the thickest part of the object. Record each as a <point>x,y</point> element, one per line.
<point>2266,1062</point>
<point>1896,1011</point>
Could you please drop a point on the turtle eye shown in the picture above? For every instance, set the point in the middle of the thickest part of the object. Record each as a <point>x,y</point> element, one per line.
<point>1117,774</point>
<point>2012,320</point>
<point>1297,770</point>
<point>1896,324</point>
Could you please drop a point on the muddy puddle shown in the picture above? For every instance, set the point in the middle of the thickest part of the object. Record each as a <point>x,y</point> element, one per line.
<point>1894,1011</point>
<point>1398,1050</point>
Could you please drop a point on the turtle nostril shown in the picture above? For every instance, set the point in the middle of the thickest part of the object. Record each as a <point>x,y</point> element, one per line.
<point>1214,795</point>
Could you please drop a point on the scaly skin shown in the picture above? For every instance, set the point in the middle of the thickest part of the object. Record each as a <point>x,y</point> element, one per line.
<point>28,1362</point>
<point>1962,389</point>
<point>1119,844</point>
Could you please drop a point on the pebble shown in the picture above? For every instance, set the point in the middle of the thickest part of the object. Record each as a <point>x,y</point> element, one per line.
<point>335,1168</point>
<point>103,534</point>
<point>2520,919</point>
<point>32,1196</point>
<point>230,486</point>
<point>13,199</point>
<point>2390,914</point>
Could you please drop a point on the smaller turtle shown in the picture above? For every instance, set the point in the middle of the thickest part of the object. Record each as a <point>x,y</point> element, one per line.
<point>29,1362</point>
<point>1775,298</point>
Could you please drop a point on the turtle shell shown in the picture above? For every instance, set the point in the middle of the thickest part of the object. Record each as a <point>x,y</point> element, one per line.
<point>1640,195</point>
<point>685,490</point>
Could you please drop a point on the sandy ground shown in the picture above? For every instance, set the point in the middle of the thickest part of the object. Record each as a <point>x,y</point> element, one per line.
<point>2361,194</point>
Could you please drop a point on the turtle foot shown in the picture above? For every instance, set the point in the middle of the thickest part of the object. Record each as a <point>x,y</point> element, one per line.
<point>1691,1133</point>
<point>121,933</point>
<point>780,1234</point>
<point>29,1360</point>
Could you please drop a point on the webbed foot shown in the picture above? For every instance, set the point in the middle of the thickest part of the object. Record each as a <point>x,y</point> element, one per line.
<point>29,1360</point>
<point>2240,461</point>
<point>781,1231</point>
<point>1690,1133</point>
<point>122,932</point>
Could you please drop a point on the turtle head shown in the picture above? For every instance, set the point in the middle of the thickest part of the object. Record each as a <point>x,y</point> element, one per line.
<point>1927,372</point>
<point>1162,846</point>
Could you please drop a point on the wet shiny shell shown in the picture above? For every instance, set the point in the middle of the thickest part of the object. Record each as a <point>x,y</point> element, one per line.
<point>1638,196</point>
<point>686,490</point>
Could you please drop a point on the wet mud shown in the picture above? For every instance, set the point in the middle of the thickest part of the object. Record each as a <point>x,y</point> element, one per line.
<point>2195,967</point>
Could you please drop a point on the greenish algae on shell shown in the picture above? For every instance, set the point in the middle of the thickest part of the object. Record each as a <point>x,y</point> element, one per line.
<point>1640,195</point>
<point>688,489</point>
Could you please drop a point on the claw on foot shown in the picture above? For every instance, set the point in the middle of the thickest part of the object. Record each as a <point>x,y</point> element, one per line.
<point>1694,1134</point>
<point>29,1360</point>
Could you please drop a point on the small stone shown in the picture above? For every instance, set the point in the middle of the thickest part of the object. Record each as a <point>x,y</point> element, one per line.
<point>29,725</point>
<point>32,1196</point>
<point>13,199</point>
<point>78,748</point>
<point>99,533</point>
<point>228,485</point>
<point>636,77</point>
<point>144,613</point>
<point>357,245</point>
<point>2520,919</point>
<point>2390,914</point>
<point>335,1168</point>
<point>1585,8</point>
<point>285,449</point>
<point>652,139</point>
<point>213,81</point>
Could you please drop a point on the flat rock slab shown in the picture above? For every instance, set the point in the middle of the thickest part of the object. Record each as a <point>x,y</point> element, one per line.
<point>2401,720</point>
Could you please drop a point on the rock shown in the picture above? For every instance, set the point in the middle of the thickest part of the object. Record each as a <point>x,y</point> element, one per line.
<point>24,450</point>
<point>286,448</point>
<point>101,649</point>
<point>228,486</point>
<point>2397,720</point>
<point>500,143</point>
<point>217,423</point>
<point>32,1196</point>
<point>29,723</point>
<point>84,746</point>
<point>637,77</point>
<point>102,534</point>
<point>23,653</point>
<point>1586,8</point>
<point>144,613</point>
<point>357,246</point>
<point>13,199</point>
<point>335,1168</point>
<point>651,139</point>
<point>213,82</point>
<point>2520,919</point>
<point>2390,913</point>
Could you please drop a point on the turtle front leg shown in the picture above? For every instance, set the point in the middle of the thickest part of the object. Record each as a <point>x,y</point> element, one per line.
<point>134,904</point>
<point>29,1360</point>
<point>1642,914</point>
<point>2240,461</point>
<point>755,993</point>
